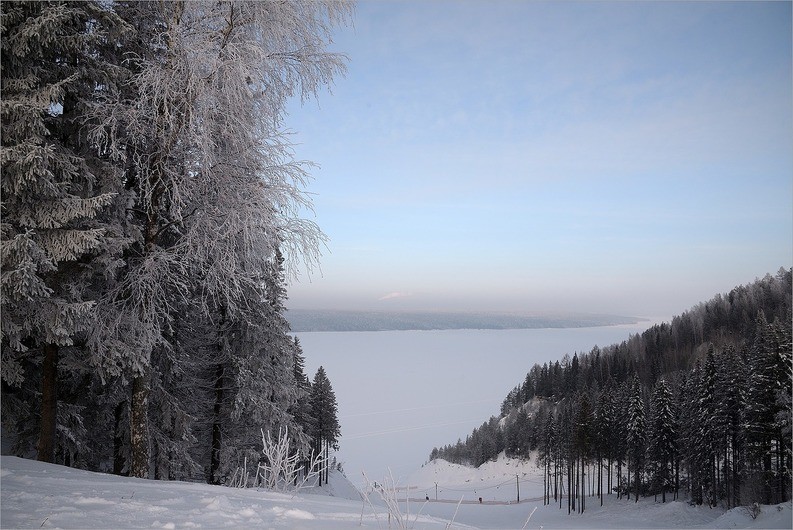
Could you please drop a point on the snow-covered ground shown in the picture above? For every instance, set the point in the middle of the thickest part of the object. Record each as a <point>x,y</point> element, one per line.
<point>497,483</point>
<point>36,495</point>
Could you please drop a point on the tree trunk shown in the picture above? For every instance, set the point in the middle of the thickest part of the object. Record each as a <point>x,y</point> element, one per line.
<point>327,461</point>
<point>321,468</point>
<point>118,439</point>
<point>217,435</point>
<point>139,424</point>
<point>45,447</point>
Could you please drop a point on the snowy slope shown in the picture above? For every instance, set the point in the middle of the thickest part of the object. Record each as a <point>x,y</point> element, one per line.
<point>497,482</point>
<point>493,481</point>
<point>36,495</point>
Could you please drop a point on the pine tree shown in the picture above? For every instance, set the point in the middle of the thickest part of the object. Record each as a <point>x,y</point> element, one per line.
<point>689,441</point>
<point>301,409</point>
<point>546,449</point>
<point>257,383</point>
<point>663,436</point>
<point>55,185</point>
<point>709,435</point>
<point>517,435</point>
<point>767,445</point>
<point>326,424</point>
<point>730,388</point>
<point>583,440</point>
<point>605,426</point>
<point>636,431</point>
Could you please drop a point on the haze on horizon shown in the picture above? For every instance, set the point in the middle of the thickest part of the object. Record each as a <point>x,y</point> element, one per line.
<point>629,158</point>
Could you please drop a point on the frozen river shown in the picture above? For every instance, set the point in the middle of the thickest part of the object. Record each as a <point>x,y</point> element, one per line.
<point>401,393</point>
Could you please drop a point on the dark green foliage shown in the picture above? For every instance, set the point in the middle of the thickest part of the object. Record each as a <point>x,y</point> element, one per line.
<point>662,449</point>
<point>325,423</point>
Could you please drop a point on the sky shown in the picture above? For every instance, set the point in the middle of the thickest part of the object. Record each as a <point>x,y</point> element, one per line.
<point>630,158</point>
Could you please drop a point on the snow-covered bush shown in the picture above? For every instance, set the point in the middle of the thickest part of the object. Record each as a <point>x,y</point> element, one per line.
<point>389,494</point>
<point>282,468</point>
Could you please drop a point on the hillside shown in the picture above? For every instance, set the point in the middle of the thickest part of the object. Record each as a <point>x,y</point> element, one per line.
<point>698,407</point>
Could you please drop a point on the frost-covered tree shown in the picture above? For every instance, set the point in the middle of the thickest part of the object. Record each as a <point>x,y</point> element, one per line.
<point>730,393</point>
<point>546,454</point>
<point>662,437</point>
<point>708,433</point>
<point>216,187</point>
<point>636,432</point>
<point>584,438</point>
<point>56,182</point>
<point>768,447</point>
<point>517,435</point>
<point>688,438</point>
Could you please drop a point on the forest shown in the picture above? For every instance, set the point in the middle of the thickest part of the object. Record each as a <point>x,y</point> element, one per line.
<point>698,408</point>
<point>152,213</point>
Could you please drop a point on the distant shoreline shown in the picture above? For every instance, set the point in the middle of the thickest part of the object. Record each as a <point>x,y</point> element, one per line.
<point>309,320</point>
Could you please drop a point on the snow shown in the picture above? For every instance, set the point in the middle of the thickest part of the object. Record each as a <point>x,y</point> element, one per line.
<point>38,495</point>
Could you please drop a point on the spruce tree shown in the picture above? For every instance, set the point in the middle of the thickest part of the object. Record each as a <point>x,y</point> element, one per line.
<point>55,184</point>
<point>767,413</point>
<point>663,436</point>
<point>326,430</point>
<point>731,389</point>
<point>636,431</point>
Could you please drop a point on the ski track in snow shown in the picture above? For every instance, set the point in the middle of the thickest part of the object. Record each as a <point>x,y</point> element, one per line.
<point>37,495</point>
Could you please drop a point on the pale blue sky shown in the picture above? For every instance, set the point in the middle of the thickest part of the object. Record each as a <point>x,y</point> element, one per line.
<point>632,158</point>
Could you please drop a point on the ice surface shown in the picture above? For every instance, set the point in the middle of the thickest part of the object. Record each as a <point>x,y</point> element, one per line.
<point>401,393</point>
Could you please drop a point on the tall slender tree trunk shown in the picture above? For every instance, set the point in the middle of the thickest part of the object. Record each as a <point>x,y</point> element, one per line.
<point>324,463</point>
<point>569,488</point>
<point>140,444</point>
<point>545,483</point>
<point>217,432</point>
<point>582,501</point>
<point>628,477</point>
<point>576,483</point>
<point>139,424</point>
<point>118,439</point>
<point>327,462</point>
<point>45,448</point>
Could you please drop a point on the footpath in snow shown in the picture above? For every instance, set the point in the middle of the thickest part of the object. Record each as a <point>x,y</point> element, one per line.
<point>37,495</point>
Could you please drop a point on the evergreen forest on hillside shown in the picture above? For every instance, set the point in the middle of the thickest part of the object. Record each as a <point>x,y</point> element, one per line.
<point>151,215</point>
<point>699,407</point>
